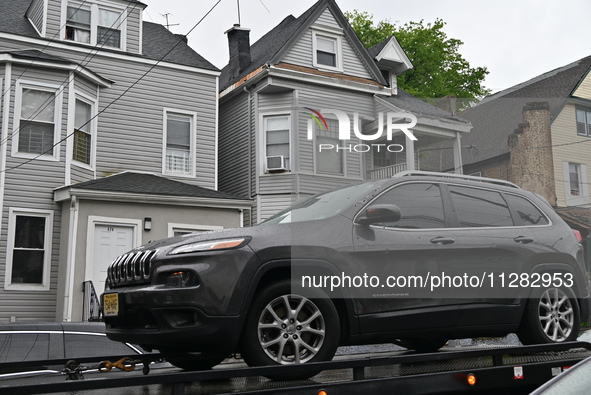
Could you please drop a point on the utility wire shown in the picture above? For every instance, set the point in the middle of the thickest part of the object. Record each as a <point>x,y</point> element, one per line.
<point>65,83</point>
<point>51,40</point>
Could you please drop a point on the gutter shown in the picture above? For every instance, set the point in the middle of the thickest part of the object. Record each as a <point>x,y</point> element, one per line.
<point>67,193</point>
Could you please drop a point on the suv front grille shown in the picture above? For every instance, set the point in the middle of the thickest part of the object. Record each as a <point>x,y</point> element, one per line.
<point>131,268</point>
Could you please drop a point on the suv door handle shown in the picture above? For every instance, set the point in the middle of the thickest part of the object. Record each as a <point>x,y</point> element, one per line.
<point>523,239</point>
<point>443,240</point>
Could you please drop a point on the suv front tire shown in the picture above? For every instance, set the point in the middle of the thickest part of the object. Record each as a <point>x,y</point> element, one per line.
<point>287,328</point>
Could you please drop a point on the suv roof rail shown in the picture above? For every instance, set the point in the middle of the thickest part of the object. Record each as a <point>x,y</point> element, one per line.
<point>458,176</point>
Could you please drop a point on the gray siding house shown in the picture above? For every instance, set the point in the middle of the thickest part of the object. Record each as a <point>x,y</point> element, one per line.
<point>282,102</point>
<point>108,140</point>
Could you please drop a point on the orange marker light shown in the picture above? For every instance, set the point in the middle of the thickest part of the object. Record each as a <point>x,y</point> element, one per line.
<point>322,392</point>
<point>471,379</point>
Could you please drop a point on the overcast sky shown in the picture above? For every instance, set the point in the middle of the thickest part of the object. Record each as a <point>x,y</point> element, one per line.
<point>515,39</point>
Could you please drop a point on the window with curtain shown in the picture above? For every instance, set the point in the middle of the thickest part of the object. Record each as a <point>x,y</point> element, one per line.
<point>37,122</point>
<point>82,132</point>
<point>78,23</point>
<point>94,24</point>
<point>574,173</point>
<point>179,144</point>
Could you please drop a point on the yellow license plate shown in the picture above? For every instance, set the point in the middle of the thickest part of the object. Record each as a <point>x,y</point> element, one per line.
<point>110,304</point>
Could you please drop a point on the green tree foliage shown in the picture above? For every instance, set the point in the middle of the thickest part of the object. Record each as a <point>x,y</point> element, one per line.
<point>438,69</point>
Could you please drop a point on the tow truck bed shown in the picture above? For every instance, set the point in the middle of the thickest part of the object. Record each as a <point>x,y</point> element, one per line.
<point>512,370</point>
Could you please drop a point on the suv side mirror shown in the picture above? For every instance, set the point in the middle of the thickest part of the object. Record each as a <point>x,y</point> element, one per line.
<point>378,213</point>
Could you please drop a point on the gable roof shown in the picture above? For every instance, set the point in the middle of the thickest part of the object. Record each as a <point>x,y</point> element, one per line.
<point>156,40</point>
<point>150,184</point>
<point>270,48</point>
<point>498,115</point>
<point>383,51</point>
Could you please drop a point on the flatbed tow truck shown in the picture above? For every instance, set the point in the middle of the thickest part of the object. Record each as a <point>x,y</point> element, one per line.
<point>452,370</point>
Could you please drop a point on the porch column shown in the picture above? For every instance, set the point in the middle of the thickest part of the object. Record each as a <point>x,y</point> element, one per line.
<point>458,154</point>
<point>410,154</point>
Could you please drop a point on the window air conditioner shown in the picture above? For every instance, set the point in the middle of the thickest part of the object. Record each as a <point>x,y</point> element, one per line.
<point>276,163</point>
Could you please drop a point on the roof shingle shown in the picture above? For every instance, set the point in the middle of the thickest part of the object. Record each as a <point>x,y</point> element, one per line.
<point>150,184</point>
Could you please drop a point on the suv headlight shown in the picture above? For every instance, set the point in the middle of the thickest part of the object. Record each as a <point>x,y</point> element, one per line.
<point>226,244</point>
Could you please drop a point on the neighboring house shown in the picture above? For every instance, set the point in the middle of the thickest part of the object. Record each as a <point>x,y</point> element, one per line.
<point>93,99</point>
<point>538,135</point>
<point>316,63</point>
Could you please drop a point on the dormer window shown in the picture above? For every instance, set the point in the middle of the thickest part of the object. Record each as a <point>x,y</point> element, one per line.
<point>78,23</point>
<point>327,51</point>
<point>95,24</point>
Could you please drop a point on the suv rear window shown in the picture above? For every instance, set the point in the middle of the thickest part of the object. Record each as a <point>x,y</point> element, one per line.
<point>480,207</point>
<point>527,211</point>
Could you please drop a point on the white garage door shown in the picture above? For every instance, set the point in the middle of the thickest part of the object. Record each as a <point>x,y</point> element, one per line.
<point>110,241</point>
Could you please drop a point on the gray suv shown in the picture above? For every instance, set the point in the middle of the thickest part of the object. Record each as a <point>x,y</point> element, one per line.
<point>416,259</point>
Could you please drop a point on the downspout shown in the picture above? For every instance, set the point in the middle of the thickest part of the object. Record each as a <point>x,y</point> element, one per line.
<point>249,131</point>
<point>3,145</point>
<point>71,260</point>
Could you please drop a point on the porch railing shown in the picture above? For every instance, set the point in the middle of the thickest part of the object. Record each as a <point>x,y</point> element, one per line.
<point>91,310</point>
<point>386,171</point>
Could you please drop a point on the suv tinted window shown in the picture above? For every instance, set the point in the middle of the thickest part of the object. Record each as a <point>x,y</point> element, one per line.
<point>16,347</point>
<point>420,205</point>
<point>529,214</point>
<point>479,207</point>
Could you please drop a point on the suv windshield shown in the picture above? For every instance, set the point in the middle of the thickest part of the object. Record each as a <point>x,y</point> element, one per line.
<point>321,206</point>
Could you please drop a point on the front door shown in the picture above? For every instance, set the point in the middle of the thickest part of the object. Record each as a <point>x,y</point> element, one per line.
<point>110,241</point>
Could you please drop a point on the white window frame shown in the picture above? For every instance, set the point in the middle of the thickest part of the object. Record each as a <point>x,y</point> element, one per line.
<point>47,243</point>
<point>193,149</point>
<point>583,197</point>
<point>340,143</point>
<point>57,115</point>
<point>172,227</point>
<point>93,128</point>
<point>338,47</point>
<point>94,17</point>
<point>264,118</point>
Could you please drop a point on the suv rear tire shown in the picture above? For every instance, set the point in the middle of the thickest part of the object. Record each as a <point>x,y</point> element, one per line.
<point>551,316</point>
<point>284,328</point>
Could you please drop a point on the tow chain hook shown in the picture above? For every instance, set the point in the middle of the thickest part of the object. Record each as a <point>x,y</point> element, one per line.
<point>73,370</point>
<point>125,364</point>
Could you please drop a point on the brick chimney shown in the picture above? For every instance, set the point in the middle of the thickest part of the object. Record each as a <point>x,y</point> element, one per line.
<point>448,103</point>
<point>531,163</point>
<point>239,43</point>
